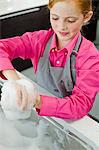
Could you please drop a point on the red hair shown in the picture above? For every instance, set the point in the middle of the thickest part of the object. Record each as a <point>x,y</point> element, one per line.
<point>84,5</point>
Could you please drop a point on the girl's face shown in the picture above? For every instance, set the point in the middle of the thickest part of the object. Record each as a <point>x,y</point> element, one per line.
<point>66,20</point>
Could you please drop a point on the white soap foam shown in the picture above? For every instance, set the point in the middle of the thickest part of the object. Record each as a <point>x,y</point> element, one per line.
<point>8,99</point>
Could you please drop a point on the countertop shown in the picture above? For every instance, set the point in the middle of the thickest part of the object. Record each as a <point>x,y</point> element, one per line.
<point>86,129</point>
<point>13,6</point>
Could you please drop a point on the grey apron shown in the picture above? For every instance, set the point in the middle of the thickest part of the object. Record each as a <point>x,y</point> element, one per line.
<point>57,80</point>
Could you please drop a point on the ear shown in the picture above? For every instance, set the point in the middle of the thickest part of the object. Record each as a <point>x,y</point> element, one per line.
<point>88,16</point>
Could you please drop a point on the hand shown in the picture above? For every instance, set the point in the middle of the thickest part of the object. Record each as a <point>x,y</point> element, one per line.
<point>37,103</point>
<point>23,91</point>
<point>26,94</point>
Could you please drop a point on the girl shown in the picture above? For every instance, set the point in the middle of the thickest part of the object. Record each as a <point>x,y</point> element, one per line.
<point>65,63</point>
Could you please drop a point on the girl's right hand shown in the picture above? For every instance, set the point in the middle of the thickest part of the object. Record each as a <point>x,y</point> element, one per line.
<point>10,74</point>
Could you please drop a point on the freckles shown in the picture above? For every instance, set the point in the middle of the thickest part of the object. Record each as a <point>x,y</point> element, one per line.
<point>75,27</point>
<point>54,25</point>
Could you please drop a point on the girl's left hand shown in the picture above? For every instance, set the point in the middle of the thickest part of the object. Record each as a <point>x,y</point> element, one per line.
<point>19,93</point>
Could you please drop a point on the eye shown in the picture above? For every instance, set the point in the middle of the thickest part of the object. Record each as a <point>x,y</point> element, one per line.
<point>71,21</point>
<point>54,18</point>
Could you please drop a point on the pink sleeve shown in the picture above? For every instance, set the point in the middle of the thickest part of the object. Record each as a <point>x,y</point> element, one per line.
<point>83,95</point>
<point>24,46</point>
<point>12,48</point>
<point>73,107</point>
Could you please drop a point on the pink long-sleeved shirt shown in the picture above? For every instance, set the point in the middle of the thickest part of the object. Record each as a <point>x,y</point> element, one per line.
<point>31,45</point>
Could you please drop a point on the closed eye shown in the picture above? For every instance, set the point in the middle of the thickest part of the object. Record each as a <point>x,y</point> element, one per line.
<point>71,21</point>
<point>54,18</point>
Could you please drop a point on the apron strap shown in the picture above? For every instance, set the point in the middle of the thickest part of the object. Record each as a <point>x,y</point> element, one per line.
<point>73,59</point>
<point>47,47</point>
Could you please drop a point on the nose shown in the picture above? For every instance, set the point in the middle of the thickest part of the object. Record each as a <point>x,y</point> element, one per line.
<point>62,25</point>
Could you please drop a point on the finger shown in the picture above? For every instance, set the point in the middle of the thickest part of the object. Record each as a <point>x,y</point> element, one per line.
<point>24,98</point>
<point>30,100</point>
<point>18,96</point>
